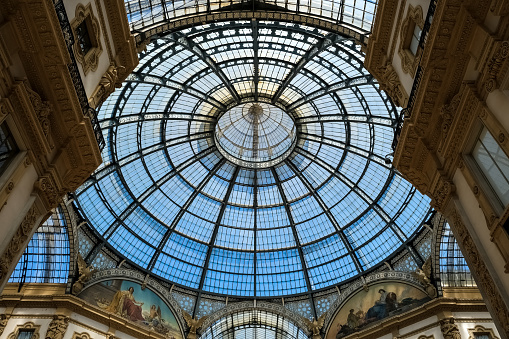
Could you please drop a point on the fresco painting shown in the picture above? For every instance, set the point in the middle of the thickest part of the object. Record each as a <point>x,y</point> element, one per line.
<point>382,300</point>
<point>128,300</point>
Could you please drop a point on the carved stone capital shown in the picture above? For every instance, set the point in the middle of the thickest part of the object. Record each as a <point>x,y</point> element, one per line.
<point>48,190</point>
<point>442,192</point>
<point>107,84</point>
<point>390,82</point>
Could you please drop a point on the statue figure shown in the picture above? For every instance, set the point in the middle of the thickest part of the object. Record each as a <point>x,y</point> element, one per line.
<point>449,329</point>
<point>57,327</point>
<point>314,326</point>
<point>424,276</point>
<point>193,323</point>
<point>85,272</point>
<point>4,318</point>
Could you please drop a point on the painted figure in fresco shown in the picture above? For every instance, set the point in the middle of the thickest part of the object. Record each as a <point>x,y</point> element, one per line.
<point>125,305</point>
<point>378,310</point>
<point>153,317</point>
<point>352,320</point>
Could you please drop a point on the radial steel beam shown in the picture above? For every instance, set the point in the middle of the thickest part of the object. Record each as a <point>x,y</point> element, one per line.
<point>161,81</point>
<point>297,240</point>
<point>183,210</point>
<point>351,82</point>
<point>329,215</point>
<point>354,187</point>
<point>155,185</point>
<point>256,70</point>
<point>188,43</point>
<point>214,235</point>
<point>346,147</point>
<point>310,54</point>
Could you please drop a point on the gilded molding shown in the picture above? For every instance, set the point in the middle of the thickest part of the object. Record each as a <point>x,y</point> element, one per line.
<point>89,61</point>
<point>57,327</point>
<point>26,326</point>
<point>409,61</point>
<point>48,190</point>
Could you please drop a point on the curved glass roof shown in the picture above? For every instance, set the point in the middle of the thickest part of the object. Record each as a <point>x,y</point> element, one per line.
<point>353,14</point>
<point>169,200</point>
<point>253,324</point>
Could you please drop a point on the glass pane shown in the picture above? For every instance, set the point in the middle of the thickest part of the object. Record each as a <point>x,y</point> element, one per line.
<point>25,334</point>
<point>414,44</point>
<point>494,164</point>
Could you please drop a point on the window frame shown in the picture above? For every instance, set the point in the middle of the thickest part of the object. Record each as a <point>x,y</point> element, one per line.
<point>479,176</point>
<point>89,60</point>
<point>409,60</point>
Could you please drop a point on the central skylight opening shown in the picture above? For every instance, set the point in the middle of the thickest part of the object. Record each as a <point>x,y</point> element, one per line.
<point>255,134</point>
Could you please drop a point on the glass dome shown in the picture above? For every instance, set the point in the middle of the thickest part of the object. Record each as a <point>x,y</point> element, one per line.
<point>255,134</point>
<point>247,158</point>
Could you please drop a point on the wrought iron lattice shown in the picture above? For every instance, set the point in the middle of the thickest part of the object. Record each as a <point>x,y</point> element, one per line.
<point>325,211</point>
<point>253,324</point>
<point>454,271</point>
<point>46,258</point>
